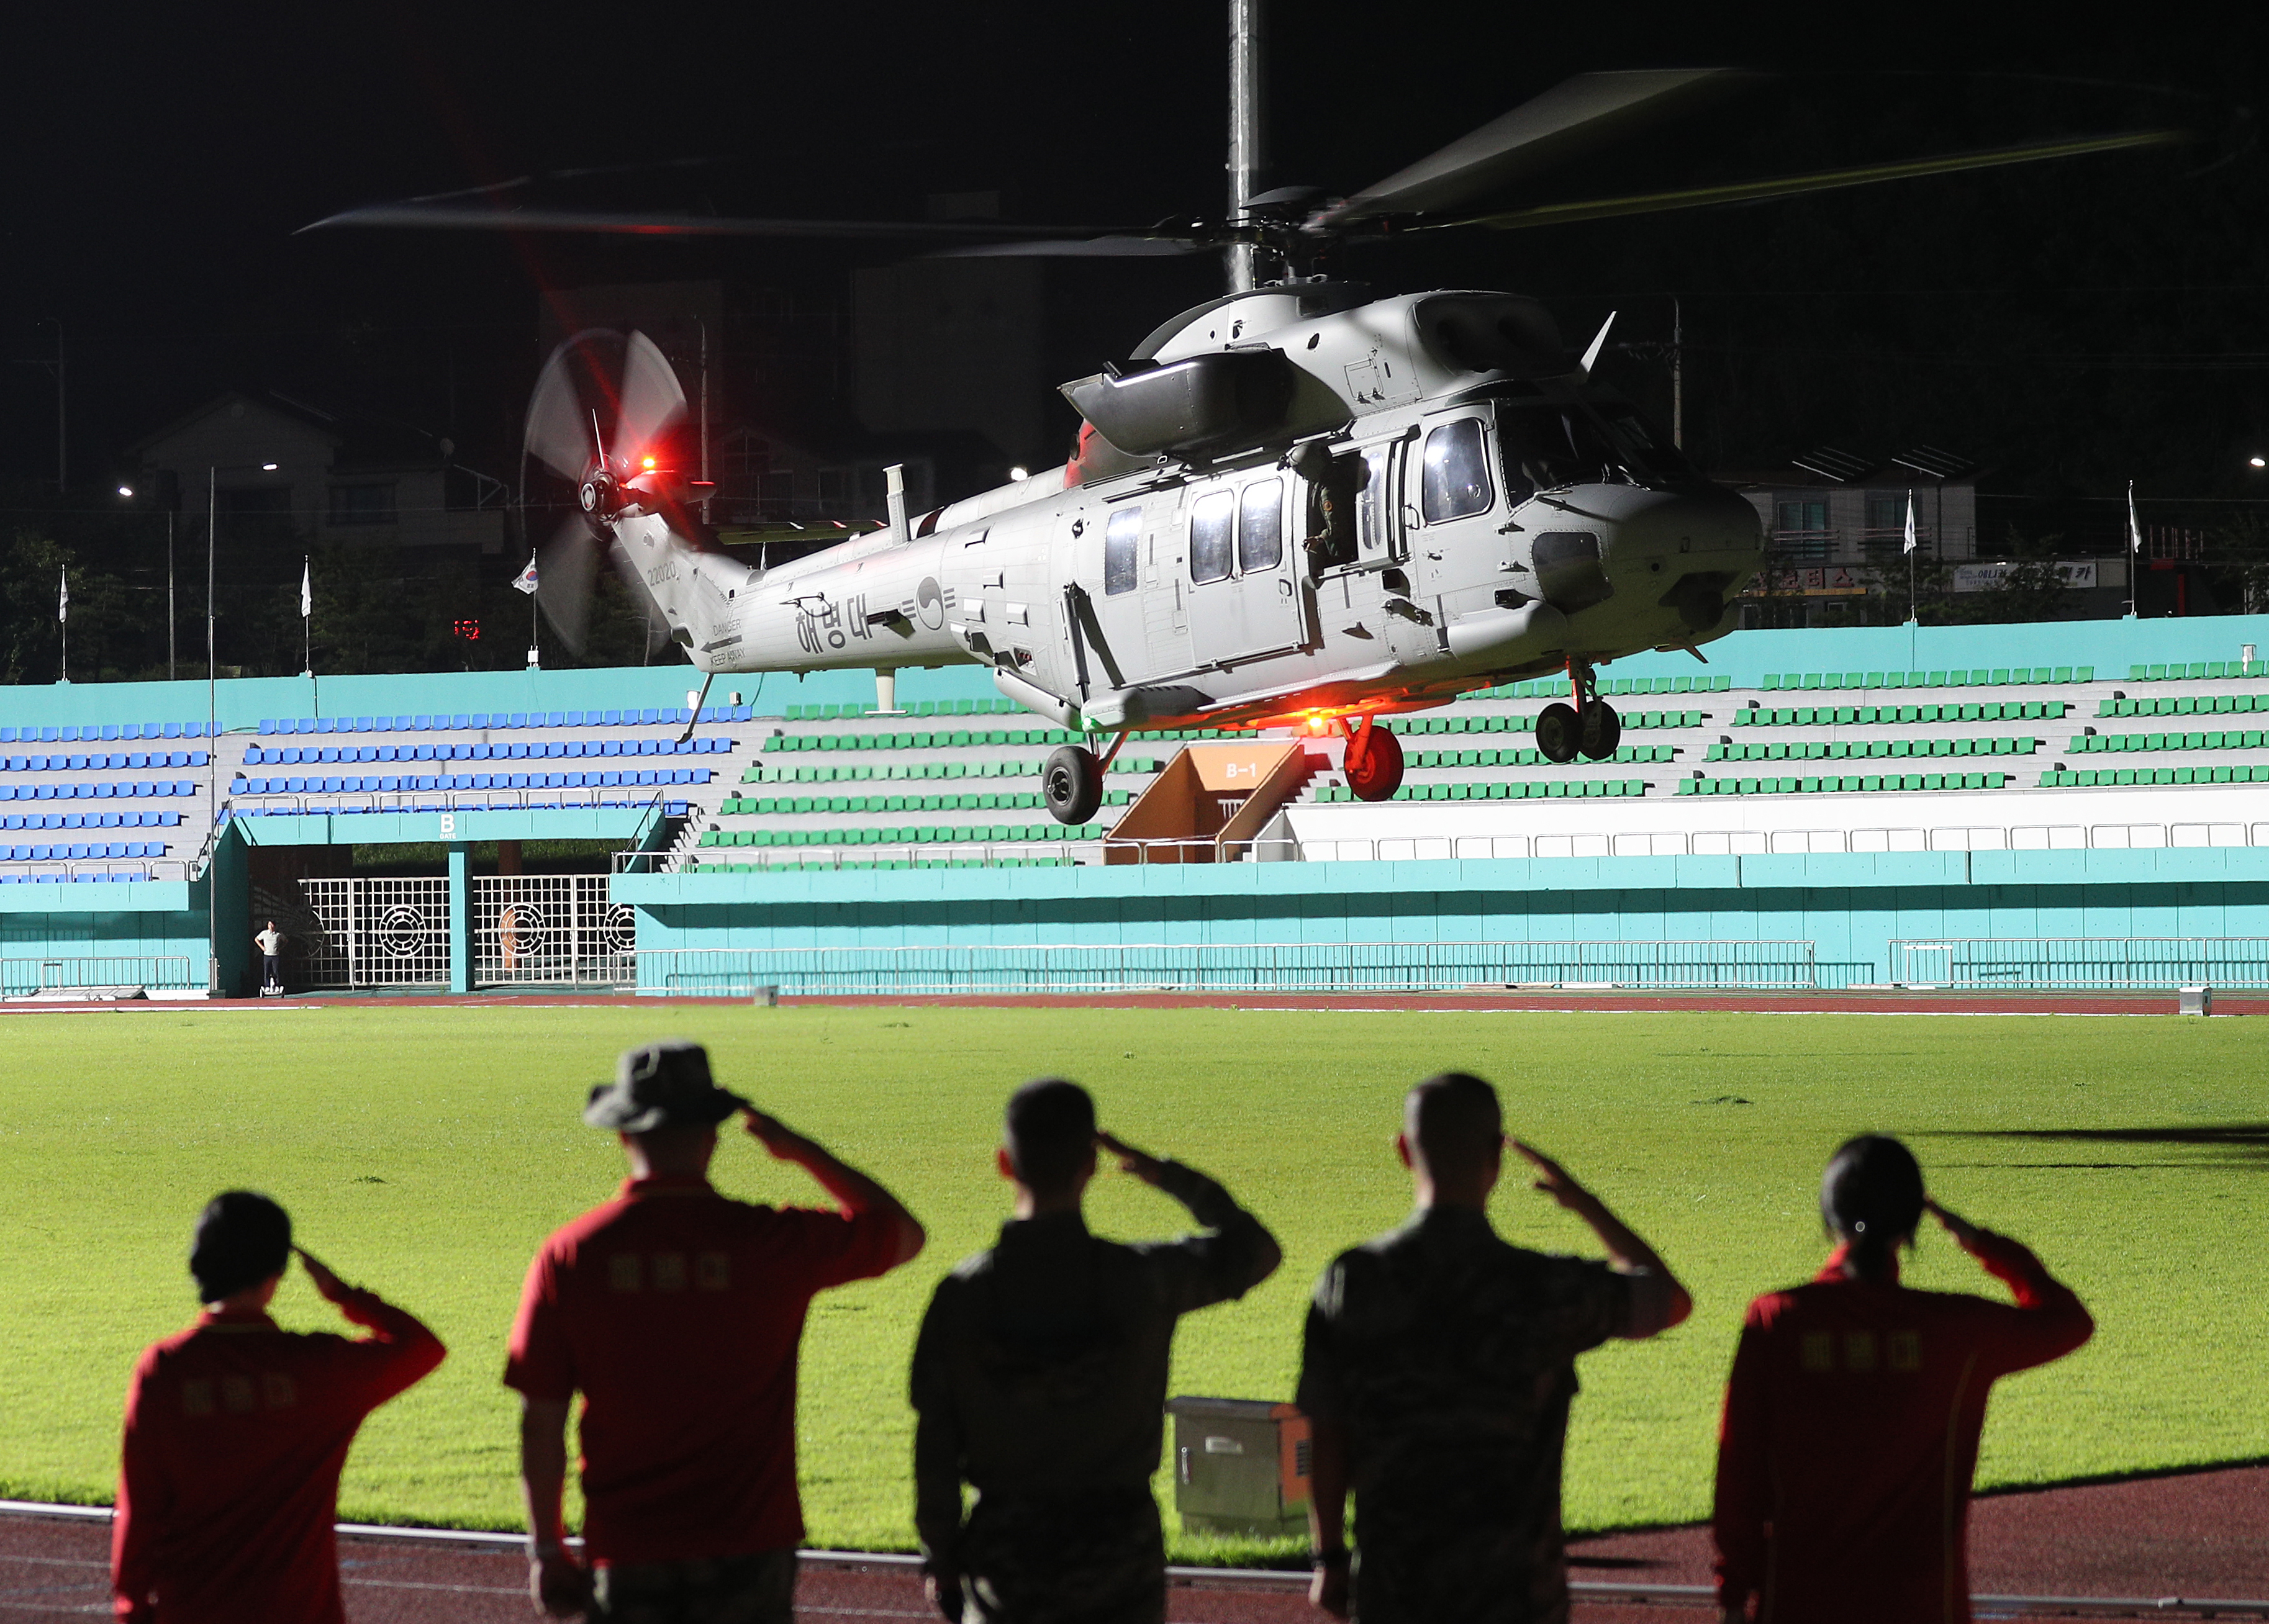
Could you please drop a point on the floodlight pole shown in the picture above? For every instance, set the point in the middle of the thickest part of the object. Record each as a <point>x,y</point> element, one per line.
<point>173,666</point>
<point>1245,127</point>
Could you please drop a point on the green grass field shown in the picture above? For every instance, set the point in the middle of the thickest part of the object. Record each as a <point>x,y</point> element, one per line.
<point>426,1152</point>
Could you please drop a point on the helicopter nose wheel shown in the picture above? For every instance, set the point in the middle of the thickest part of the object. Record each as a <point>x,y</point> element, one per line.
<point>1558,732</point>
<point>1071,783</point>
<point>1600,731</point>
<point>1374,762</point>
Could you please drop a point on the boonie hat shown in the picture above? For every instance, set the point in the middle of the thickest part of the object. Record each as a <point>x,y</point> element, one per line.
<point>663,1085</point>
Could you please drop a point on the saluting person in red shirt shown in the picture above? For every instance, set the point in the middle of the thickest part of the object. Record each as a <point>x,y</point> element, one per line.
<point>1853,1412</point>
<point>676,1313</point>
<point>236,1430</point>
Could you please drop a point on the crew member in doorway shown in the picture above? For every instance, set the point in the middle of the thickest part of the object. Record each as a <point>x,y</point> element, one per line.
<point>1333,485</point>
<point>271,963</point>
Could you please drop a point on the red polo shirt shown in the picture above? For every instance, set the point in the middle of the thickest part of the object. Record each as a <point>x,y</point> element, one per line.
<point>1850,1434</point>
<point>677,1313</point>
<point>236,1433</point>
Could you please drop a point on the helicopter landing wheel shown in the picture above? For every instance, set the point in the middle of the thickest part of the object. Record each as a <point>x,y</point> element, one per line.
<point>1374,762</point>
<point>1557,733</point>
<point>1071,785</point>
<point>1600,731</point>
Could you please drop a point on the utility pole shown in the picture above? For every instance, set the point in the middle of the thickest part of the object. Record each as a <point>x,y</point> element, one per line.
<point>1677,376</point>
<point>1245,157</point>
<point>704,326</point>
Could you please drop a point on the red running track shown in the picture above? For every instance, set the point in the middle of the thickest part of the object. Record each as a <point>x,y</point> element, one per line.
<point>2203,1534</point>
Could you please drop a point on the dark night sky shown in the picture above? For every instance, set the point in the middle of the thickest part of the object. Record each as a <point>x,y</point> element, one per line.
<point>2069,325</point>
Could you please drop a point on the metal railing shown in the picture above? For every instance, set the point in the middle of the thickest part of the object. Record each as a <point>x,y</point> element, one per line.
<point>157,972</point>
<point>2043,836</point>
<point>87,868</point>
<point>2088,963</point>
<point>315,803</point>
<point>1237,967</point>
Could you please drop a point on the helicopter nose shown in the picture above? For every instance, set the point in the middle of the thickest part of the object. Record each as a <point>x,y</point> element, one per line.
<point>1680,549</point>
<point>1684,550</point>
<point>1667,532</point>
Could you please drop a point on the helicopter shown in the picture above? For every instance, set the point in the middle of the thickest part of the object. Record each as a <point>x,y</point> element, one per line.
<point>1299,505</point>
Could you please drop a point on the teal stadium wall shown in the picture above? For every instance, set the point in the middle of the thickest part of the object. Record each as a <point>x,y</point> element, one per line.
<point>1851,906</point>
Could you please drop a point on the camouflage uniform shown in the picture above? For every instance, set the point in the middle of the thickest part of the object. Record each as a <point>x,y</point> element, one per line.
<point>759,1588</point>
<point>1448,1355</point>
<point>1039,1376</point>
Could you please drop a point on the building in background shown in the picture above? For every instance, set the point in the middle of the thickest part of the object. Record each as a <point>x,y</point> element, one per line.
<point>282,467</point>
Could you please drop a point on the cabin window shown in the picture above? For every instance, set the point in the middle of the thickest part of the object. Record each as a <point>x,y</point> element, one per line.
<point>1122,542</point>
<point>1260,527</point>
<point>1371,513</point>
<point>1457,481</point>
<point>1212,518</point>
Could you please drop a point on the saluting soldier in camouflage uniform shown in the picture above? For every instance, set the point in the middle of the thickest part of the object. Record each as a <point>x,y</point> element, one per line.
<point>1039,1376</point>
<point>1438,1369</point>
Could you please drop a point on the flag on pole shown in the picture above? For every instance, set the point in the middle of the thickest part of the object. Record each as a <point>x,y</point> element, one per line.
<point>2135,529</point>
<point>62,602</point>
<point>526,580</point>
<point>306,590</point>
<point>1910,529</point>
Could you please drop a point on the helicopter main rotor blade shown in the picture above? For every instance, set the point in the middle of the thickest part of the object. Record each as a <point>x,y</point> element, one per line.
<point>1092,248</point>
<point>653,399</point>
<point>1570,118</point>
<point>1797,185</point>
<point>459,217</point>
<point>558,435</point>
<point>564,572</point>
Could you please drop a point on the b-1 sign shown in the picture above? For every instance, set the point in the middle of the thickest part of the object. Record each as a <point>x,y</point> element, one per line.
<point>448,825</point>
<point>1237,767</point>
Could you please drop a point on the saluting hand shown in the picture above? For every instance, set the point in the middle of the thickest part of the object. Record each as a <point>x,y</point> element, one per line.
<point>1964,1232</point>
<point>1556,1180</point>
<point>1142,1163</point>
<point>774,1135</point>
<point>327,1286</point>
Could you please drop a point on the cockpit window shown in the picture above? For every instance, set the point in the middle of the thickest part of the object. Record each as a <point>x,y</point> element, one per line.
<point>1548,446</point>
<point>1122,540</point>
<point>1213,517</point>
<point>1456,481</point>
<point>1260,527</point>
<point>1653,450</point>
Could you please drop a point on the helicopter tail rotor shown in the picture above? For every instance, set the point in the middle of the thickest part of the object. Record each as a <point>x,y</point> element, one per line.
<point>600,416</point>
